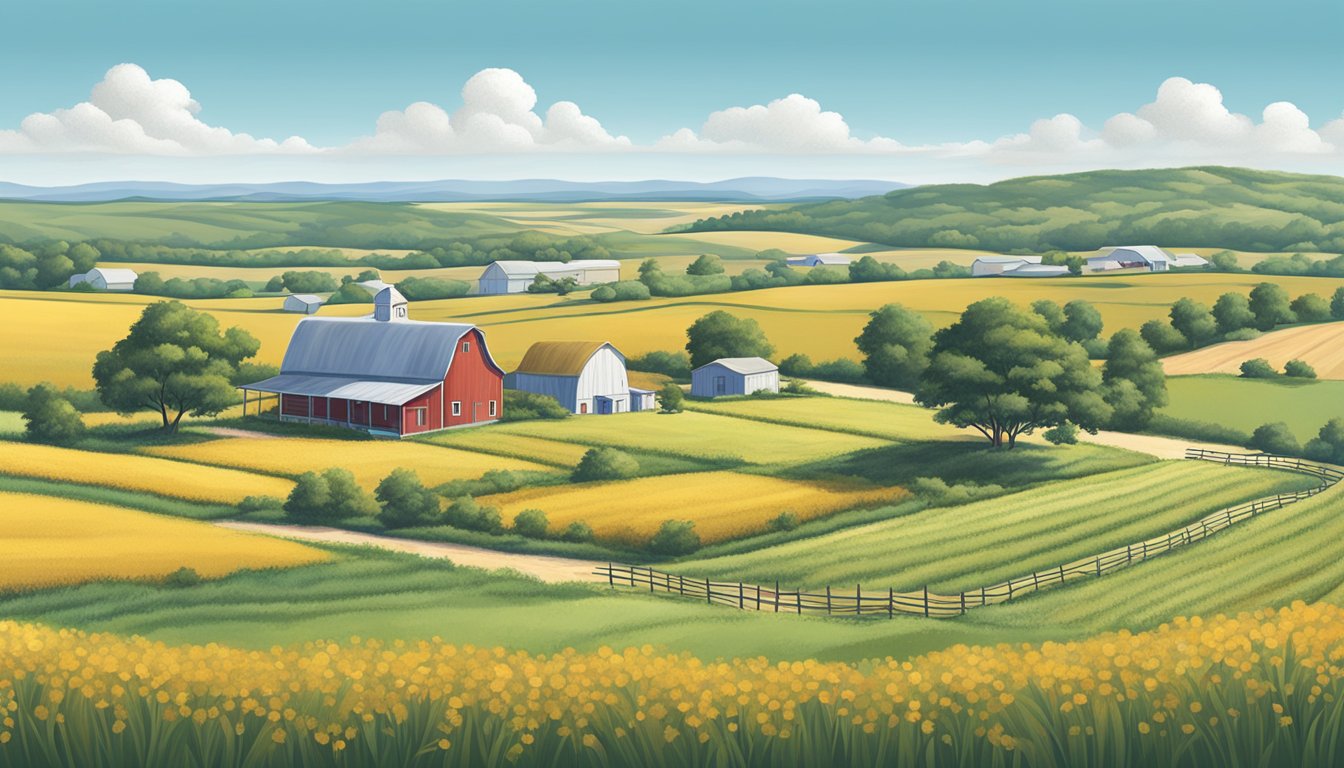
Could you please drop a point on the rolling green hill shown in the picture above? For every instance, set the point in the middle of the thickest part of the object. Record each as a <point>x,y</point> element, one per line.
<point>1186,207</point>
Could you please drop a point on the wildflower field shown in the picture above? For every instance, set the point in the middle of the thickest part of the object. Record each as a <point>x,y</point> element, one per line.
<point>1190,693</point>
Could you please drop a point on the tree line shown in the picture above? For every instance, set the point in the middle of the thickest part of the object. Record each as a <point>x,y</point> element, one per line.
<point>1191,324</point>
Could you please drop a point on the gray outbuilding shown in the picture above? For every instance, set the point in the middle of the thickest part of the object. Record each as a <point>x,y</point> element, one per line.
<point>107,279</point>
<point>584,376</point>
<point>516,276</point>
<point>735,376</point>
<point>306,303</point>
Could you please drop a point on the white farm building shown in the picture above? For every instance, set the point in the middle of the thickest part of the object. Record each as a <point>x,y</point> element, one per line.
<point>104,279</point>
<point>735,376</point>
<point>987,266</point>
<point>819,260</point>
<point>302,302</point>
<point>516,276</point>
<point>584,376</point>
<point>1037,270</point>
<point>1131,258</point>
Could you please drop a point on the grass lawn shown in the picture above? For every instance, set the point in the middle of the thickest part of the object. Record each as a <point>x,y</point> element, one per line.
<point>1244,404</point>
<point>889,421</point>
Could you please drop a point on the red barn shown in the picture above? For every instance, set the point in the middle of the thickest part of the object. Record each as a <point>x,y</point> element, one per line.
<point>386,374</point>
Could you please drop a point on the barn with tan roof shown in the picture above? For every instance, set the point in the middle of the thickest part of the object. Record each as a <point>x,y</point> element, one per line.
<point>585,376</point>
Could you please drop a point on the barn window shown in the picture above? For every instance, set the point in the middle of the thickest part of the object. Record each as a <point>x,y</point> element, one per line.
<point>457,407</point>
<point>466,346</point>
<point>492,409</point>
<point>420,419</point>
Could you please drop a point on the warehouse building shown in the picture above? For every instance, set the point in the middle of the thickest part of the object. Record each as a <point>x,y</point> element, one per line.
<point>105,279</point>
<point>516,276</point>
<point>735,376</point>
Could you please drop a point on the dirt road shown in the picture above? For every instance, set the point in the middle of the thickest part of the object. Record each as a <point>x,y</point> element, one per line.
<point>544,567</point>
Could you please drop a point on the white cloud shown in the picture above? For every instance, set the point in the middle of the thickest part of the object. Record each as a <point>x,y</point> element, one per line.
<point>128,113</point>
<point>794,124</point>
<point>497,115</point>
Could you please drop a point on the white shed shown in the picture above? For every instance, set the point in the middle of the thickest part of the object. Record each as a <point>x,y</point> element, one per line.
<point>585,376</point>
<point>1189,261</point>
<point>306,303</point>
<point>516,276</point>
<point>735,376</point>
<point>642,399</point>
<point>987,266</point>
<point>104,279</point>
<point>819,260</point>
<point>1131,257</point>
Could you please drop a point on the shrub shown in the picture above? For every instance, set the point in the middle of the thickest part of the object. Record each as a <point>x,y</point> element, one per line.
<point>307,281</point>
<point>50,418</point>
<point>252,504</point>
<point>938,493</point>
<point>840,369</point>
<point>786,521</point>
<point>182,577</point>
<point>675,364</point>
<point>1337,304</point>
<point>347,497</point>
<point>797,387</point>
<point>467,514</point>
<point>675,537</point>
<point>1259,368</point>
<point>1064,434</point>
<point>329,496</point>
<point>578,531</point>
<point>424,288</point>
<point>1275,438</point>
<point>1242,334</point>
<point>524,406</point>
<point>1310,308</point>
<point>405,501</point>
<point>1162,337</point>
<point>1328,445</point>
<point>1299,369</point>
<point>531,523</point>
<point>605,464</point>
<point>624,290</point>
<point>671,398</point>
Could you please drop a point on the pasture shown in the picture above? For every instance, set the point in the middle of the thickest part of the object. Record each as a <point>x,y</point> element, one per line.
<point>1321,346</point>
<point>723,505</point>
<point>50,541</point>
<point>889,421</point>
<point>1244,404</point>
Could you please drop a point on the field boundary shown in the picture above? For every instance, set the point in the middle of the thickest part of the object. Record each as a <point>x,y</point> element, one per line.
<point>889,602</point>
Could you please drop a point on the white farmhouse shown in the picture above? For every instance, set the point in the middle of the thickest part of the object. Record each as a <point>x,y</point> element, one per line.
<point>104,279</point>
<point>306,303</point>
<point>516,276</point>
<point>585,376</point>
<point>1131,257</point>
<point>987,266</point>
<point>819,260</point>
<point>735,376</point>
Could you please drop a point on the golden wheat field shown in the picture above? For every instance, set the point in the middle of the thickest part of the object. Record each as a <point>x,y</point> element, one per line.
<point>49,541</point>
<point>148,474</point>
<point>369,460</point>
<point>526,447</point>
<point>1321,346</point>
<point>723,505</point>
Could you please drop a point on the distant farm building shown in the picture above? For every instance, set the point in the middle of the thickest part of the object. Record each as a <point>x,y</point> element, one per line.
<point>988,266</point>
<point>584,376</point>
<point>1189,261</point>
<point>735,376</point>
<point>516,276</point>
<point>1037,270</point>
<point>385,374</point>
<point>104,279</point>
<point>1148,258</point>
<point>819,260</point>
<point>302,302</point>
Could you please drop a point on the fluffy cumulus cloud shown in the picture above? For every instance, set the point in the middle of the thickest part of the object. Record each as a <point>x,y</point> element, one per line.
<point>794,124</point>
<point>498,115</point>
<point>130,113</point>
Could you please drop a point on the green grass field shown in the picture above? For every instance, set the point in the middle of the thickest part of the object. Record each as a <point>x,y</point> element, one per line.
<point>889,421</point>
<point>963,547</point>
<point>1244,404</point>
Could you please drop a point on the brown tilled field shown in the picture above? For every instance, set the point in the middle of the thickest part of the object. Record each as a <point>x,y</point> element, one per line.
<point>1321,346</point>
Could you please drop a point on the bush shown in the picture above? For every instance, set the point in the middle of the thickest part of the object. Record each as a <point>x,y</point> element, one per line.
<point>1192,429</point>
<point>605,464</point>
<point>1275,438</point>
<point>1310,308</point>
<point>1259,368</point>
<point>1162,337</point>
<point>674,364</point>
<point>671,398</point>
<point>251,504</point>
<point>1328,445</point>
<point>425,288</point>
<point>531,523</point>
<point>524,406</point>
<point>350,293</point>
<point>797,387</point>
<point>468,515</point>
<point>578,532</point>
<point>182,577</point>
<point>1337,304</point>
<point>675,537</point>
<point>405,501</point>
<point>1242,334</point>
<point>1299,369</point>
<point>308,281</point>
<point>840,369</point>
<point>938,493</point>
<point>1063,434</point>
<point>50,418</point>
<point>786,521</point>
<point>330,496</point>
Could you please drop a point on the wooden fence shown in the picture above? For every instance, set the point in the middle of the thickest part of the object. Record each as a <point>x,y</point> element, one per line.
<point>889,603</point>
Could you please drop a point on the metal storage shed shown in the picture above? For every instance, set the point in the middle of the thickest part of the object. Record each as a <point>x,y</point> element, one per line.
<point>735,376</point>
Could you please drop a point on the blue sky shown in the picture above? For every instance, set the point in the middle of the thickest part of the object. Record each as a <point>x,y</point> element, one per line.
<point>919,72</point>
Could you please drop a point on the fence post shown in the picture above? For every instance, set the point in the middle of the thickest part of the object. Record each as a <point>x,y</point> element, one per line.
<point>891,602</point>
<point>1035,580</point>
<point>798,598</point>
<point>926,601</point>
<point>681,585</point>
<point>741,597</point>
<point>858,599</point>
<point>983,601</point>
<point>650,579</point>
<point>828,599</point>
<point>776,595</point>
<point>1061,573</point>
<point>709,594</point>
<point>963,603</point>
<point>1098,565</point>
<point>631,571</point>
<point>611,576</point>
<point>758,597</point>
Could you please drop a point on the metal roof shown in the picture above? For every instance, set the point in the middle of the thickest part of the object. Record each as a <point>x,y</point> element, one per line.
<point>306,298</point>
<point>530,268</point>
<point>1009,259</point>
<point>364,348</point>
<point>1190,260</point>
<point>1039,270</point>
<point>561,358</point>
<point>1148,253</point>
<point>743,365</point>
<point>113,275</point>
<point>345,387</point>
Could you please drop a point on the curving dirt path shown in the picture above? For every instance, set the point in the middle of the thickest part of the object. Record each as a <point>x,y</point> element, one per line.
<point>544,567</point>
<point>1153,445</point>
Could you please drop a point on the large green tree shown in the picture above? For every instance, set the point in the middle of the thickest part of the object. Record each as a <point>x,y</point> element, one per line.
<point>1194,320</point>
<point>1233,312</point>
<point>895,345</point>
<point>1002,371</point>
<point>720,334</point>
<point>1135,384</point>
<point>175,361</point>
<point>1270,304</point>
<point>1082,321</point>
<point>50,418</point>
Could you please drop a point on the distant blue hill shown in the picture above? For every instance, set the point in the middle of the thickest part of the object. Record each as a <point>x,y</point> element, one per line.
<point>756,189</point>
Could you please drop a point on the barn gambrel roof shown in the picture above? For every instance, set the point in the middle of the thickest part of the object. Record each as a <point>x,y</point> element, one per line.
<point>743,365</point>
<point>561,358</point>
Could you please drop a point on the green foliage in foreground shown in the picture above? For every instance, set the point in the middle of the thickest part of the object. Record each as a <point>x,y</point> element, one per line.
<point>1184,207</point>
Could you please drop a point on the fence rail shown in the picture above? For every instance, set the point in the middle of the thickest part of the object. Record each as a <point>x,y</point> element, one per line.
<point>889,603</point>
